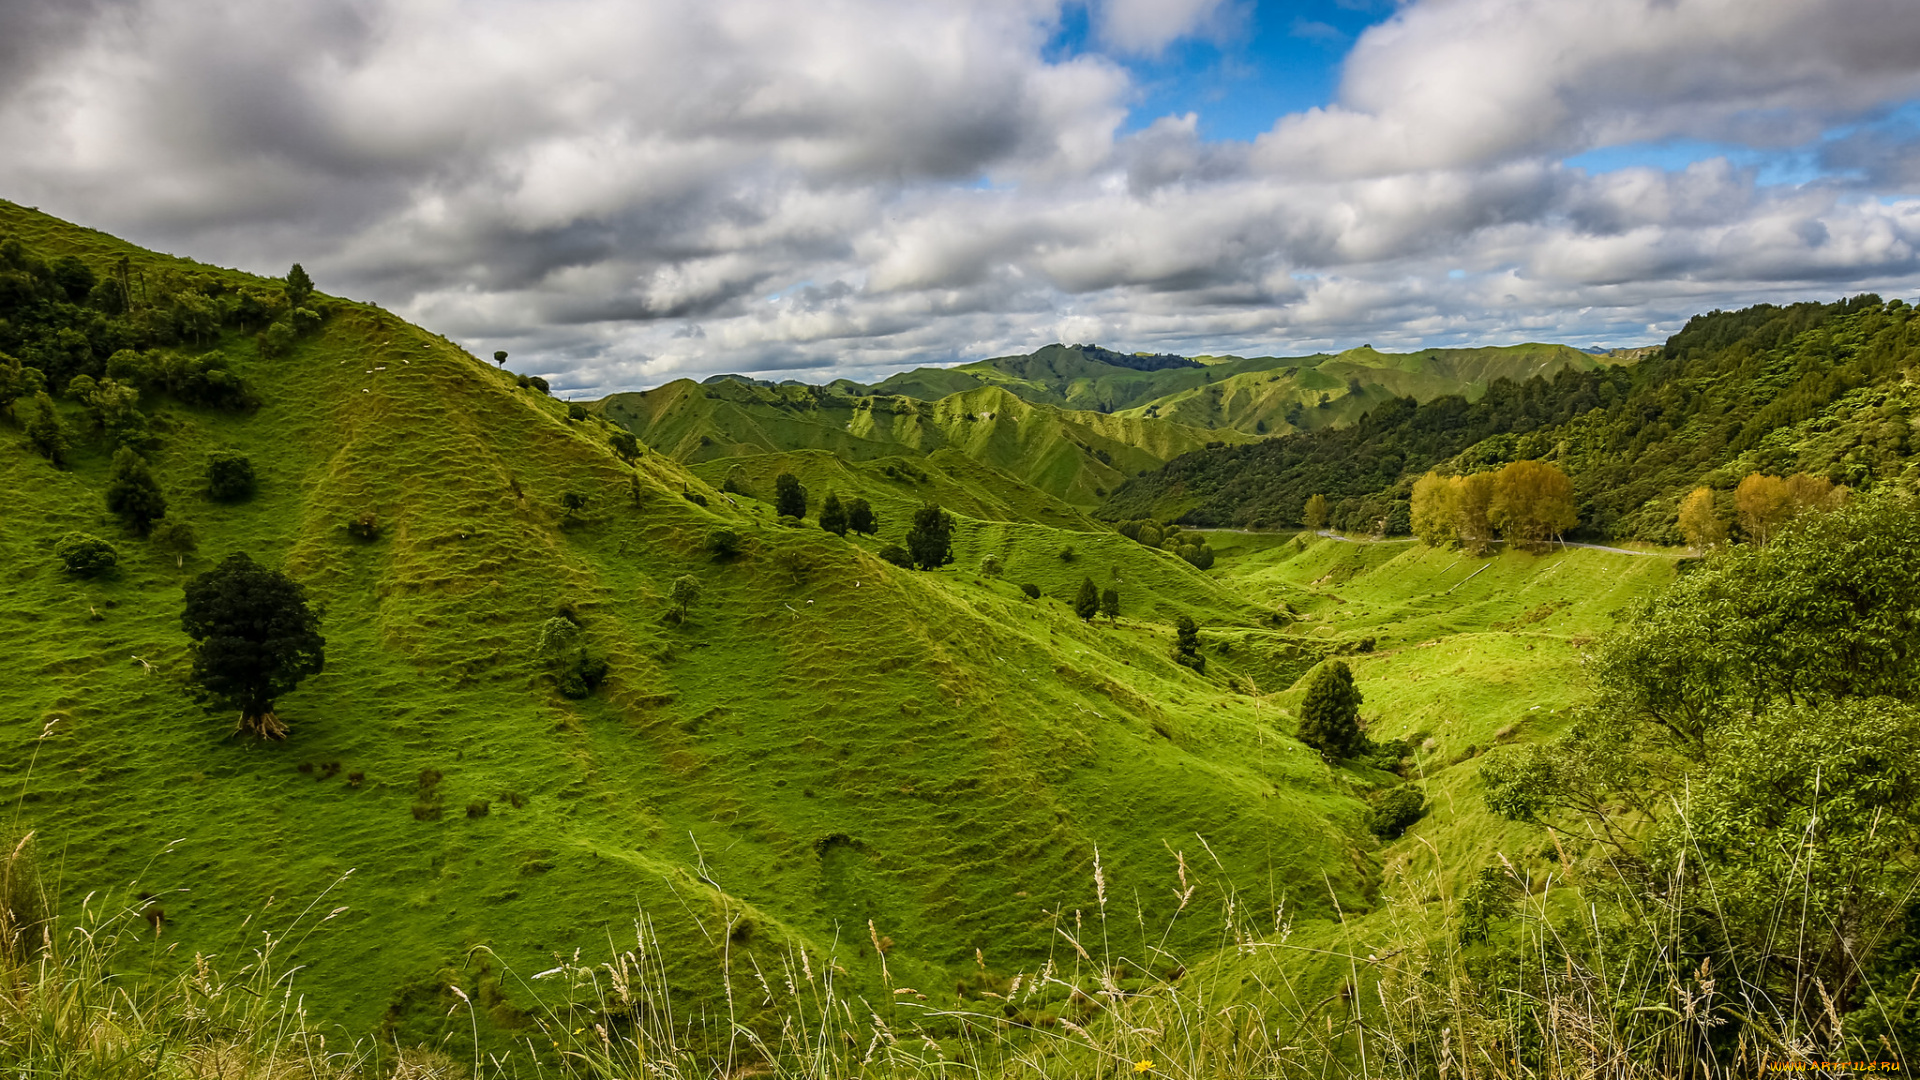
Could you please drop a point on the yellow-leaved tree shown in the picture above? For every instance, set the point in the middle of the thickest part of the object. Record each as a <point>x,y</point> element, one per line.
<point>1532,503</point>
<point>1700,521</point>
<point>1436,509</point>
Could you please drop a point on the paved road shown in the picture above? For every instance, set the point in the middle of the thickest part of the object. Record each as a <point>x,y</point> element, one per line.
<point>1331,535</point>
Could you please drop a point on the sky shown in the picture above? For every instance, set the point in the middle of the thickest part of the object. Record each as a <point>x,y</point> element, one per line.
<point>622,193</point>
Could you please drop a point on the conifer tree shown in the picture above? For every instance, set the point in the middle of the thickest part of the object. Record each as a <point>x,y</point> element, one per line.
<point>299,286</point>
<point>1087,603</point>
<point>1330,715</point>
<point>833,515</point>
<point>1110,603</point>
<point>1186,645</point>
<point>789,498</point>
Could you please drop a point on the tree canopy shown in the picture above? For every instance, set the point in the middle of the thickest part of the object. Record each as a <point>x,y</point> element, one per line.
<point>789,498</point>
<point>254,638</point>
<point>1330,713</point>
<point>930,540</point>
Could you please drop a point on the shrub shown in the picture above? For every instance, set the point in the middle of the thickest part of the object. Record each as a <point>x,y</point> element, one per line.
<point>133,493</point>
<point>229,475</point>
<point>723,543</point>
<point>789,498</point>
<point>1032,590</point>
<point>563,648</point>
<point>45,432</point>
<point>576,412</point>
<point>86,556</point>
<point>624,445</point>
<point>538,383</point>
<point>898,556</point>
<point>860,517</point>
<point>833,515</point>
<point>990,566</point>
<point>1067,554</point>
<point>364,526</point>
<point>574,502</point>
<point>1394,812</point>
<point>176,538</point>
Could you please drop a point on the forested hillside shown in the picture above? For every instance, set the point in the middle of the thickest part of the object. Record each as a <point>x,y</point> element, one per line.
<point>1812,388</point>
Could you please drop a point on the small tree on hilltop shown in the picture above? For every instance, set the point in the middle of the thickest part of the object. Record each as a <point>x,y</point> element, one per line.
<point>1110,604</point>
<point>299,286</point>
<point>254,639</point>
<point>500,357</point>
<point>133,493</point>
<point>930,541</point>
<point>1315,513</point>
<point>860,517</point>
<point>686,591</point>
<point>833,515</point>
<point>1086,603</point>
<point>789,498</point>
<point>1330,715</point>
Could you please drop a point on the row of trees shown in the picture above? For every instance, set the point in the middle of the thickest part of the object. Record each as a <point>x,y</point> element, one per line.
<point>1762,506</point>
<point>1526,502</point>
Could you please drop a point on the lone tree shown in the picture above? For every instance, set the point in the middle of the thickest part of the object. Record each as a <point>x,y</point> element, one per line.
<point>1110,603</point>
<point>299,286</point>
<point>229,475</point>
<point>930,541</point>
<point>1315,513</point>
<point>574,502</point>
<point>1086,603</point>
<point>860,517</point>
<point>1330,715</point>
<point>686,591</point>
<point>1186,645</point>
<point>789,498</point>
<point>84,555</point>
<point>500,357</point>
<point>254,640</point>
<point>133,493</point>
<point>624,445</point>
<point>833,516</point>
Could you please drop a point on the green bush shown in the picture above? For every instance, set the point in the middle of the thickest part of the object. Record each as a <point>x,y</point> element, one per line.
<point>563,649</point>
<point>898,556</point>
<point>86,556</point>
<point>1395,811</point>
<point>1032,590</point>
<point>230,476</point>
<point>723,543</point>
<point>576,411</point>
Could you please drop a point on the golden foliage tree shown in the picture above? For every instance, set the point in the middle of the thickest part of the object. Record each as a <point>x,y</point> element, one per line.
<point>1475,499</point>
<point>1532,501</point>
<point>1700,521</point>
<point>1436,509</point>
<point>1315,513</point>
<point>1766,503</point>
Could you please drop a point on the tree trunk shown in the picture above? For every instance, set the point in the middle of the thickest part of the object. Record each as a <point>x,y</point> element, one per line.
<point>263,725</point>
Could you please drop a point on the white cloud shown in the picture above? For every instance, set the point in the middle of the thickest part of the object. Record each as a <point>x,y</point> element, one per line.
<point>612,192</point>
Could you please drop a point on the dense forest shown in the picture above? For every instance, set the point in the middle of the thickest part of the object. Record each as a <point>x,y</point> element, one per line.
<point>1812,388</point>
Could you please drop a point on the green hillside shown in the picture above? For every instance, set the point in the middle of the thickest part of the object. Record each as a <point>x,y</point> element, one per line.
<point>1336,391</point>
<point>1076,457</point>
<point>825,741</point>
<point>1822,389</point>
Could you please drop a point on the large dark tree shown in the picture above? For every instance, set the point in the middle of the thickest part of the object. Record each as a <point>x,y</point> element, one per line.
<point>133,493</point>
<point>833,516</point>
<point>254,640</point>
<point>1110,603</point>
<point>860,517</point>
<point>1086,603</point>
<point>789,498</point>
<point>299,286</point>
<point>1330,715</point>
<point>930,541</point>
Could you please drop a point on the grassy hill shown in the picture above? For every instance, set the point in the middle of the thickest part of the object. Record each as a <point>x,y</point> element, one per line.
<point>1076,457</point>
<point>826,741</point>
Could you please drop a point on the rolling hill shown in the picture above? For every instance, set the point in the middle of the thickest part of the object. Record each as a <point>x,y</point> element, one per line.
<point>828,751</point>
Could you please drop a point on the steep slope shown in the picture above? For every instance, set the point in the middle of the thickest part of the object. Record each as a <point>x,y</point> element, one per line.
<point>827,751</point>
<point>1076,457</point>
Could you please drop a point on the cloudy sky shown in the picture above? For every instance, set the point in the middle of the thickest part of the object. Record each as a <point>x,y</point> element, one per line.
<point>621,192</point>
